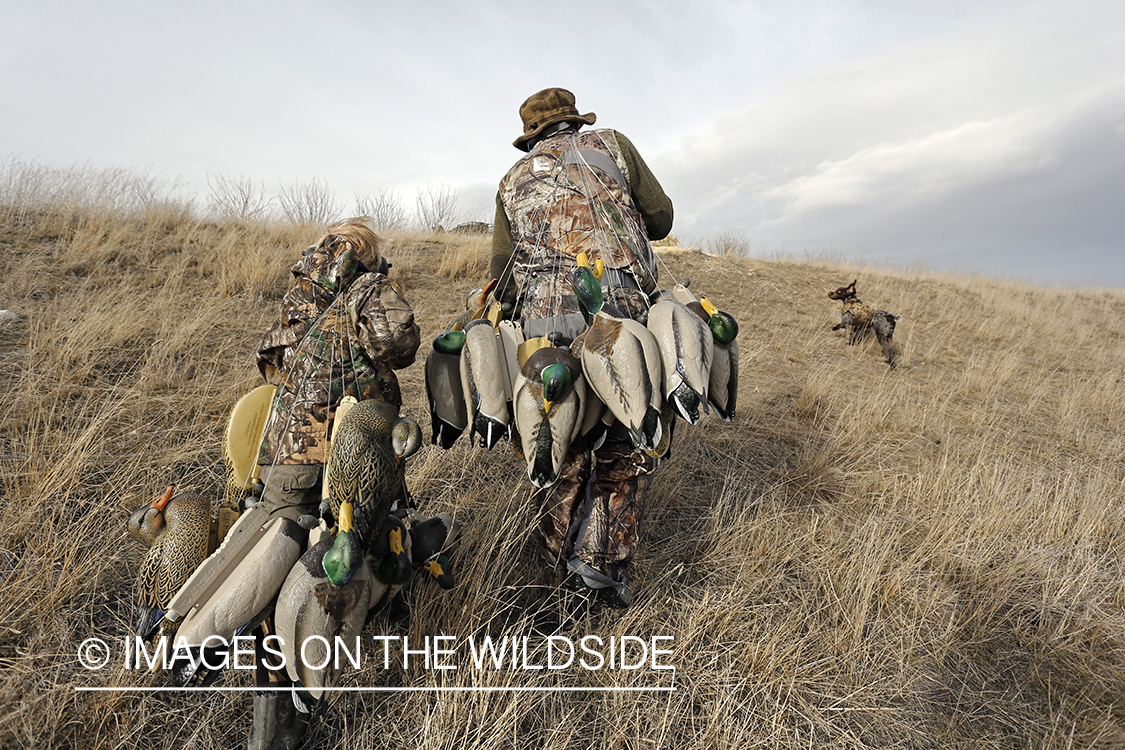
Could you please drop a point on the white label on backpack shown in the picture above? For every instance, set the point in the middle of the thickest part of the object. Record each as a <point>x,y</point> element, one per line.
<point>540,164</point>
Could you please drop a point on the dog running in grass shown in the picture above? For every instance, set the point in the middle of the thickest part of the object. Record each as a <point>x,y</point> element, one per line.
<point>860,320</point>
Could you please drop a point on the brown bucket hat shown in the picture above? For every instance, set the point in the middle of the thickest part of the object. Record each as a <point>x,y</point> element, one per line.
<point>543,109</point>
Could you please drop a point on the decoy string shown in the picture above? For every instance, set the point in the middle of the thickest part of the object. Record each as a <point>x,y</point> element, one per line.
<point>298,351</point>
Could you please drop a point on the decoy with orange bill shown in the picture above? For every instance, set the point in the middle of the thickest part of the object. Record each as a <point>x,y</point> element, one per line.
<point>174,528</point>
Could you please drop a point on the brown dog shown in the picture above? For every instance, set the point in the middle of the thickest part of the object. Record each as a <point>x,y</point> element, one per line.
<point>861,319</point>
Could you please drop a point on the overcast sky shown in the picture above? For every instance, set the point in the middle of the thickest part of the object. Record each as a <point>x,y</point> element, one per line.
<point>985,135</point>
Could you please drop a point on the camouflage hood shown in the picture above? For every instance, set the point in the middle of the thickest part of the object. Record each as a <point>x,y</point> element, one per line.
<point>322,273</point>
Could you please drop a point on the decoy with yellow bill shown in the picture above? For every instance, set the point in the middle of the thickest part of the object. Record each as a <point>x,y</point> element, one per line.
<point>550,396</point>
<point>686,347</point>
<point>326,595</point>
<point>722,324</point>
<point>366,462</point>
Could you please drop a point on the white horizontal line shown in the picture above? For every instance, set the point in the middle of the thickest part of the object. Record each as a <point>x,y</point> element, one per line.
<point>380,689</point>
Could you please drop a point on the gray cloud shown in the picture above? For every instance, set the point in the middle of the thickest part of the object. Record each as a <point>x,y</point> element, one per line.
<point>987,131</point>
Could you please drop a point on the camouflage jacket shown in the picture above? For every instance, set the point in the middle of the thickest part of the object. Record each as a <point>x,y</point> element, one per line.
<point>341,332</point>
<point>578,192</point>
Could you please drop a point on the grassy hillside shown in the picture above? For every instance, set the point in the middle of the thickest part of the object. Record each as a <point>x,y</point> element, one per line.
<point>923,557</point>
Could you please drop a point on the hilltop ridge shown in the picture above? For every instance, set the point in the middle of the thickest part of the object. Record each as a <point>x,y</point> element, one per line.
<point>929,556</point>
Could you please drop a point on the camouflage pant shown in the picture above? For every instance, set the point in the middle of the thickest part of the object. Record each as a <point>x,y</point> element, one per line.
<point>590,518</point>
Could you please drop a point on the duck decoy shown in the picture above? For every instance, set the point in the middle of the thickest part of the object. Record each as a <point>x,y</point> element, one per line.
<point>722,324</point>
<point>621,363</point>
<point>483,379</point>
<point>444,390</point>
<point>174,528</point>
<point>366,462</point>
<point>327,594</point>
<point>723,378</point>
<point>723,383</point>
<point>476,306</point>
<point>686,349</point>
<point>390,557</point>
<point>549,401</point>
<point>431,535</point>
<point>243,438</point>
<point>440,569</point>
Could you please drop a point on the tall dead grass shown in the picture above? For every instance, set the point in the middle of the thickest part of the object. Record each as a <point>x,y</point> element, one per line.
<point>924,557</point>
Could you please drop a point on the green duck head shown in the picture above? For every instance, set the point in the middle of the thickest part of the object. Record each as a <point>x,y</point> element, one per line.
<point>450,342</point>
<point>557,380</point>
<point>346,553</point>
<point>439,566</point>
<point>587,288</point>
<point>722,324</point>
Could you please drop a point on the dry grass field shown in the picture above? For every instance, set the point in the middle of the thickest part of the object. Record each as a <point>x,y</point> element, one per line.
<point>925,557</point>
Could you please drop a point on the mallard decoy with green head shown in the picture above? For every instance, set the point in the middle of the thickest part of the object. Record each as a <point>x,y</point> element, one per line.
<point>722,324</point>
<point>389,554</point>
<point>174,528</point>
<point>326,594</point>
<point>686,349</point>
<point>621,363</point>
<point>550,394</point>
<point>366,462</point>
<point>483,378</point>
<point>444,391</point>
<point>723,380</point>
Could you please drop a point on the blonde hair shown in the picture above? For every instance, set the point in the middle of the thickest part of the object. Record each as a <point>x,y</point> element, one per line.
<point>358,233</point>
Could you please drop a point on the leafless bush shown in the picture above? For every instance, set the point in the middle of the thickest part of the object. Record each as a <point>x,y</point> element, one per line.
<point>309,203</point>
<point>436,207</point>
<point>237,198</point>
<point>385,209</point>
<point>729,244</point>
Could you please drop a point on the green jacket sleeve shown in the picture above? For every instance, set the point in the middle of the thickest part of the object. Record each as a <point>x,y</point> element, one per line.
<point>649,198</point>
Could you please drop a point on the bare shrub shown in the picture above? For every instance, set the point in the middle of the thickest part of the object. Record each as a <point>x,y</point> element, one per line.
<point>309,202</point>
<point>237,198</point>
<point>385,209</point>
<point>436,207</point>
<point>728,244</point>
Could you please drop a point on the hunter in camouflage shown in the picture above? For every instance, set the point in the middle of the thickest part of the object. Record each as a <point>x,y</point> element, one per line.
<point>340,332</point>
<point>587,192</point>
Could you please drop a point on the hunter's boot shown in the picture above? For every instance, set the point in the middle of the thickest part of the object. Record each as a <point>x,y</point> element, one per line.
<point>277,724</point>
